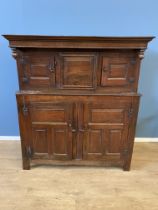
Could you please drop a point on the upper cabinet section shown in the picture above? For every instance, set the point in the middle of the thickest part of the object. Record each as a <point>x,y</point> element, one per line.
<point>109,64</point>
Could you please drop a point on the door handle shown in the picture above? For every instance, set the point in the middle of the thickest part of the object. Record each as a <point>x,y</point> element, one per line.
<point>72,129</point>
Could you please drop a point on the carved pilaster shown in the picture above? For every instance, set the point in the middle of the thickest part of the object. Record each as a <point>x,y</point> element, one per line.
<point>14,53</point>
<point>141,53</point>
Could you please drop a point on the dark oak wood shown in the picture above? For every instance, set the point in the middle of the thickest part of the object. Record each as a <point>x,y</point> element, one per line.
<point>78,100</point>
<point>96,126</point>
<point>77,42</point>
<point>108,70</point>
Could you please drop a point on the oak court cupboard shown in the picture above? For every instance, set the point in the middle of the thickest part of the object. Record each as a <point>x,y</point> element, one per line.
<point>78,99</point>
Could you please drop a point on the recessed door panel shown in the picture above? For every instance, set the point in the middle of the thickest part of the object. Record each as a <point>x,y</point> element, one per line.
<point>61,143</point>
<point>106,115</point>
<point>115,141</point>
<point>36,70</point>
<point>77,70</point>
<point>40,139</point>
<point>119,69</point>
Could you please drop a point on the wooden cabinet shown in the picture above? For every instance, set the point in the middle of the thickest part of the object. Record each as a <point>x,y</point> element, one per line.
<point>78,99</point>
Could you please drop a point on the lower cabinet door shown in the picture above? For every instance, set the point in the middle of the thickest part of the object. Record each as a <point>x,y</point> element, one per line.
<point>49,129</point>
<point>106,129</point>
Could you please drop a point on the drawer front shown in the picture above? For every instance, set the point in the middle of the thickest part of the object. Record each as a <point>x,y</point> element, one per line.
<point>37,70</point>
<point>120,70</point>
<point>77,70</point>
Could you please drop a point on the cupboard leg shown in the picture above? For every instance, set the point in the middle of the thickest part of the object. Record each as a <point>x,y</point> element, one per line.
<point>26,164</point>
<point>126,167</point>
<point>25,159</point>
<point>127,163</point>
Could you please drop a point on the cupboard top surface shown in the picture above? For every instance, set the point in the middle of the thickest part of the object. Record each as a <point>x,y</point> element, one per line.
<point>90,42</point>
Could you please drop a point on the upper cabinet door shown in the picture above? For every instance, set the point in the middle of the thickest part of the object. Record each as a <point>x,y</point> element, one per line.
<point>77,70</point>
<point>120,69</point>
<point>37,70</point>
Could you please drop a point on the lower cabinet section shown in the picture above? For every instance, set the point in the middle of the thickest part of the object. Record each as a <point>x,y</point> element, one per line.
<point>77,130</point>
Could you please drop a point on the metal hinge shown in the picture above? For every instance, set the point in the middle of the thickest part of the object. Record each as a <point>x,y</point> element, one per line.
<point>130,112</point>
<point>25,109</point>
<point>125,152</point>
<point>29,152</point>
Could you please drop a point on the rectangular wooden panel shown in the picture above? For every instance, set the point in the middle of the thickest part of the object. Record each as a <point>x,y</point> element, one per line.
<point>40,140</point>
<point>107,115</point>
<point>48,115</point>
<point>77,70</point>
<point>115,141</point>
<point>94,144</point>
<point>120,69</point>
<point>59,141</point>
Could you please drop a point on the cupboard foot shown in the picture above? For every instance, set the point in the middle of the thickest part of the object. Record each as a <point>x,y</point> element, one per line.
<point>26,165</point>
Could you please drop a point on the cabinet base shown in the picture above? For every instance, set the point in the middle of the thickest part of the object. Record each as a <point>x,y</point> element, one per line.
<point>38,162</point>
